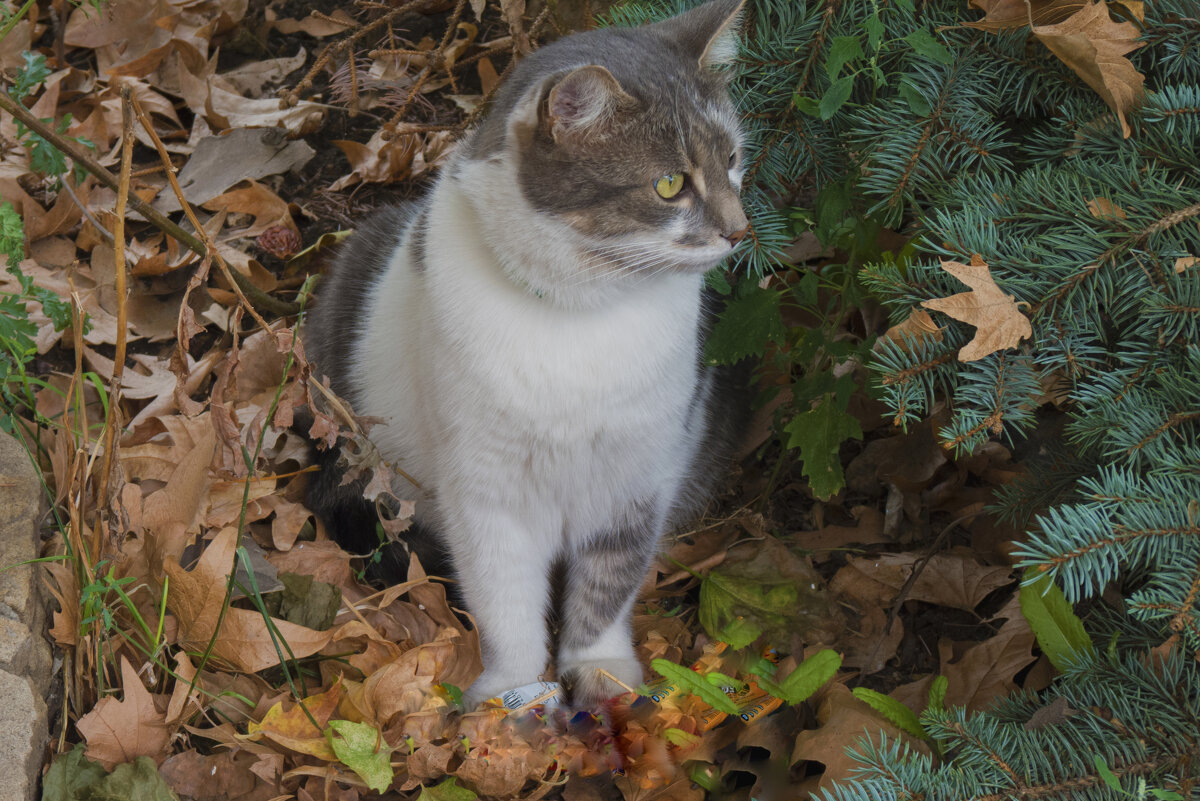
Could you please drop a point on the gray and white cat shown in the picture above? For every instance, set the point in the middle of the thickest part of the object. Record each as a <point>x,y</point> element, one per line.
<point>531,334</point>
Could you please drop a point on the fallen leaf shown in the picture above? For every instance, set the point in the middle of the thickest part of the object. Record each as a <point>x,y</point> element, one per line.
<point>952,580</point>
<point>998,321</point>
<point>842,720</point>
<point>1094,46</point>
<point>1185,262</point>
<point>379,161</point>
<point>121,731</point>
<point>219,162</point>
<point>244,641</point>
<point>1104,209</point>
<point>1004,15</point>
<point>294,729</point>
<point>915,329</point>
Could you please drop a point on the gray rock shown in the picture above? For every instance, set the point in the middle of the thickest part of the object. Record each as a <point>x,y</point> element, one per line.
<point>25,672</point>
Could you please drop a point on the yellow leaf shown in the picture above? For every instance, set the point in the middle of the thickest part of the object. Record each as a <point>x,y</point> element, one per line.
<point>294,730</point>
<point>998,322</point>
<point>1094,46</point>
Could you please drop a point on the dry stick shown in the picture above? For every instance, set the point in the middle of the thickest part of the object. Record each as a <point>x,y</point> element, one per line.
<point>163,156</point>
<point>153,215</point>
<point>113,420</point>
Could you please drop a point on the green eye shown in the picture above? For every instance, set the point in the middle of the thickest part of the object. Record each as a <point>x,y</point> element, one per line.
<point>668,186</point>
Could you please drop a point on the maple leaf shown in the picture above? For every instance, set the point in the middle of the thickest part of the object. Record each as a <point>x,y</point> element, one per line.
<point>244,639</point>
<point>998,322</point>
<point>121,731</point>
<point>294,729</point>
<point>1094,46</point>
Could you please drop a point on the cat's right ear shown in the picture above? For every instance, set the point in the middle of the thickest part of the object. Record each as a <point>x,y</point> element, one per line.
<point>583,104</point>
<point>709,31</point>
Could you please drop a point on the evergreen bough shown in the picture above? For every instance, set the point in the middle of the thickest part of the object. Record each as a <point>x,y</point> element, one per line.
<point>986,144</point>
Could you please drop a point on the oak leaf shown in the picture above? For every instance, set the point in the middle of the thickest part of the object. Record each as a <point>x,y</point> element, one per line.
<point>121,731</point>
<point>999,323</point>
<point>1094,46</point>
<point>244,640</point>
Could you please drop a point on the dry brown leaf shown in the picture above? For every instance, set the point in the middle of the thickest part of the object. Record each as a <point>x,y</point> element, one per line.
<point>842,720</point>
<point>1094,46</point>
<point>985,670</point>
<point>953,580</point>
<point>1004,15</point>
<point>244,640</point>
<point>267,208</point>
<point>315,26</point>
<point>223,776</point>
<point>121,731</point>
<point>1185,262</point>
<point>1104,209</point>
<point>169,514</point>
<point>379,161</point>
<point>998,321</point>
<point>917,327</point>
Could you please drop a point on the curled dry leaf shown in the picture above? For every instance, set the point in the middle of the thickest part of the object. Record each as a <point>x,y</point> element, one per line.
<point>1094,46</point>
<point>121,731</point>
<point>998,321</point>
<point>379,161</point>
<point>916,328</point>
<point>244,641</point>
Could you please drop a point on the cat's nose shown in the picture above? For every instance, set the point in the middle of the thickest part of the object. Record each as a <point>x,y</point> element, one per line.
<point>737,236</point>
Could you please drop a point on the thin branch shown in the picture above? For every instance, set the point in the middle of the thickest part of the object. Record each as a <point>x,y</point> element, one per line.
<point>113,420</point>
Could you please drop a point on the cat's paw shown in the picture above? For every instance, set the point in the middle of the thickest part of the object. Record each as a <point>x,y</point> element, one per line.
<point>492,684</point>
<point>590,683</point>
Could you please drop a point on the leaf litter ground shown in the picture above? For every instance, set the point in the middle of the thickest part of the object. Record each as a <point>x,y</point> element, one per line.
<point>218,646</point>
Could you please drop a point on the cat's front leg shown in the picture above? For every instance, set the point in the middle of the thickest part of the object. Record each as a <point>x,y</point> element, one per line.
<point>603,577</point>
<point>504,569</point>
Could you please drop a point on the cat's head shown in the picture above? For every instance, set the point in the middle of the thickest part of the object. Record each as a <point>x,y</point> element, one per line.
<point>629,138</point>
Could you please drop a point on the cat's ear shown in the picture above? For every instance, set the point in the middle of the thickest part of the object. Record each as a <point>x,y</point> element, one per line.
<point>709,31</point>
<point>583,104</point>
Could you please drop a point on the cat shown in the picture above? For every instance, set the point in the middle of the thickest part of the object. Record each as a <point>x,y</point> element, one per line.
<point>531,335</point>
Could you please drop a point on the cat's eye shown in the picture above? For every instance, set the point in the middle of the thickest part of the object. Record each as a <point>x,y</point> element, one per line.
<point>669,185</point>
<point>733,159</point>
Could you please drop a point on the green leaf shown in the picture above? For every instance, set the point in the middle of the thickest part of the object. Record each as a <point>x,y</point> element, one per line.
<point>736,610</point>
<point>819,433</point>
<point>69,775</point>
<point>899,714</point>
<point>1106,774</point>
<point>835,96</point>
<point>1059,632</point>
<point>718,281</point>
<point>12,235</point>
<point>875,30</point>
<point>30,76</point>
<point>937,693</point>
<point>808,677</point>
<point>922,41</point>
<point>1165,795</point>
<point>448,790</point>
<point>361,748</point>
<point>680,737</point>
<point>842,50</point>
<point>919,105</point>
<point>132,781</point>
<point>721,681</point>
<point>692,682</point>
<point>807,105</point>
<point>745,326</point>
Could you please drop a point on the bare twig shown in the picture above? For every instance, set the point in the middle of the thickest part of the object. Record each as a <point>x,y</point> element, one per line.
<point>113,420</point>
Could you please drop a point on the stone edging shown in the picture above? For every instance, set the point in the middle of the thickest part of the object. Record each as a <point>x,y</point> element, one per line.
<point>25,663</point>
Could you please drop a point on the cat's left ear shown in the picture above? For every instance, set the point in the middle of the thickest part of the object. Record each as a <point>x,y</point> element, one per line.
<point>708,31</point>
<point>584,103</point>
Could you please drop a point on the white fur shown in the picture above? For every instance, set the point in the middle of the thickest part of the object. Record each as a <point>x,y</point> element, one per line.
<point>531,422</point>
